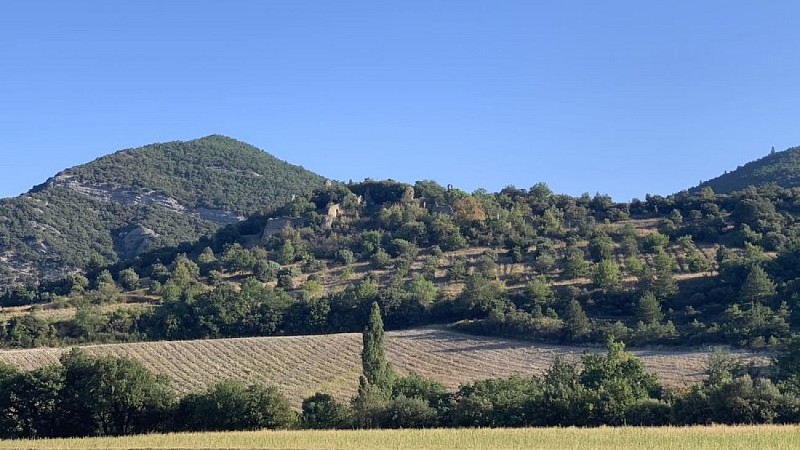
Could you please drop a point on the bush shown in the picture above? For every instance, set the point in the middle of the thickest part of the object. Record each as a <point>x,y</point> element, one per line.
<point>322,411</point>
<point>232,405</point>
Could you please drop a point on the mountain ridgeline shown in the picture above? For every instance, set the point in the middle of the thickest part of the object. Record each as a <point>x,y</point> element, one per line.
<point>780,169</point>
<point>140,199</point>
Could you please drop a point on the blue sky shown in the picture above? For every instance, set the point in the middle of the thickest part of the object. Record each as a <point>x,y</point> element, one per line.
<point>620,97</point>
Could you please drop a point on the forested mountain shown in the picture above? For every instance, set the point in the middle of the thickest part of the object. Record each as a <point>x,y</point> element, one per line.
<point>778,168</point>
<point>139,199</point>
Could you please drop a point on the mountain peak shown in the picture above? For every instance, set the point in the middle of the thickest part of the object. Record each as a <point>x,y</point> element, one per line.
<point>180,190</point>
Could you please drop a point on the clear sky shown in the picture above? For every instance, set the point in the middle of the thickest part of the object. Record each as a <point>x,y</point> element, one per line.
<point>620,97</point>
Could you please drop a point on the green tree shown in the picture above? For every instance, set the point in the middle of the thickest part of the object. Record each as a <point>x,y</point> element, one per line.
<point>287,253</point>
<point>373,357</point>
<point>129,279</point>
<point>663,283</point>
<point>207,256</point>
<point>757,287</point>
<point>634,266</point>
<point>112,396</point>
<point>238,259</point>
<point>656,242</point>
<point>31,403</point>
<point>312,289</point>
<point>481,296</point>
<point>345,256</point>
<point>606,275</point>
<point>104,278</point>
<point>539,292</point>
<point>322,411</point>
<point>575,264</point>
<point>233,405</point>
<point>615,382</point>
<point>421,290</point>
<point>381,259</point>
<point>601,247</point>
<point>576,324</point>
<point>648,309</point>
<point>184,271</point>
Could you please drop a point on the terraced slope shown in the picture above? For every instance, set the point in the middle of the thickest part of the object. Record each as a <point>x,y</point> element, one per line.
<point>302,365</point>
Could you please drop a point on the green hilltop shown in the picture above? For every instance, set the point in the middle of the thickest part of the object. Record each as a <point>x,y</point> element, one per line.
<point>140,199</point>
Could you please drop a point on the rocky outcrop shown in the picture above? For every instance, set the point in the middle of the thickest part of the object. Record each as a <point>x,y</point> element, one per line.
<point>131,197</point>
<point>133,241</point>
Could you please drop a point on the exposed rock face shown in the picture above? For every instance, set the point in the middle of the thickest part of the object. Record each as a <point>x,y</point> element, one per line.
<point>134,241</point>
<point>277,224</point>
<point>125,196</point>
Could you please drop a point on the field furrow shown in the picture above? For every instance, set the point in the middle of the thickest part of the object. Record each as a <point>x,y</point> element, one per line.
<point>302,365</point>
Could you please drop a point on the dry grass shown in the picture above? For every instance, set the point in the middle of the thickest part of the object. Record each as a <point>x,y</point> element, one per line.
<point>51,313</point>
<point>713,437</point>
<point>302,365</point>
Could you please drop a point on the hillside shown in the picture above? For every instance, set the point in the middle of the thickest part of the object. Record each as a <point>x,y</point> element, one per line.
<point>686,270</point>
<point>303,365</point>
<point>778,168</point>
<point>140,199</point>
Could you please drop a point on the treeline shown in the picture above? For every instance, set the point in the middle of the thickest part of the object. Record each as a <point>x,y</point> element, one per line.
<point>107,396</point>
<point>552,268</point>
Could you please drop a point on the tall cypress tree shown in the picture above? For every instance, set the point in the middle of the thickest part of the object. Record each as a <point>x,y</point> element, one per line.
<point>373,357</point>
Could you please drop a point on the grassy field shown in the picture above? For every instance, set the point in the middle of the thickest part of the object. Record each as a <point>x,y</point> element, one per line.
<point>714,437</point>
<point>303,365</point>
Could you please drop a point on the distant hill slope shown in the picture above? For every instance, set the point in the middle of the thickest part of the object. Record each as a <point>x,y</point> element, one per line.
<point>138,199</point>
<point>303,365</point>
<point>778,168</point>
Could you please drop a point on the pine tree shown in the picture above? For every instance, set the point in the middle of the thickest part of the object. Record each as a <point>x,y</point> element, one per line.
<point>576,324</point>
<point>757,287</point>
<point>373,358</point>
<point>664,284</point>
<point>575,264</point>
<point>648,310</point>
<point>606,275</point>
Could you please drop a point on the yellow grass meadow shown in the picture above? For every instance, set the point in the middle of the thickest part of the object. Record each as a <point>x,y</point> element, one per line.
<point>712,437</point>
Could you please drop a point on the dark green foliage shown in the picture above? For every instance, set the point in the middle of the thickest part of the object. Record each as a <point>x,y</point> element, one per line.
<point>369,404</point>
<point>404,412</point>
<point>614,383</point>
<point>373,357</point>
<point>780,168</point>
<point>129,279</point>
<point>576,324</point>
<point>111,396</point>
<point>503,402</point>
<point>648,309</point>
<point>27,331</point>
<point>322,411</point>
<point>234,405</point>
<point>757,287</point>
<point>575,265</point>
